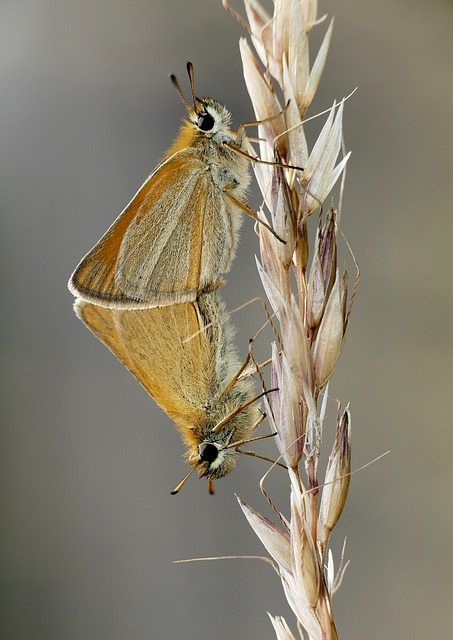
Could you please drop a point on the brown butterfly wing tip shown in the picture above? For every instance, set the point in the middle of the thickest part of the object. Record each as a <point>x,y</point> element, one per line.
<point>79,291</point>
<point>72,285</point>
<point>102,300</point>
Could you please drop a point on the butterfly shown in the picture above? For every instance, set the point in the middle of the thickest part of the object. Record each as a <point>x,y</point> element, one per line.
<point>179,233</point>
<point>185,358</point>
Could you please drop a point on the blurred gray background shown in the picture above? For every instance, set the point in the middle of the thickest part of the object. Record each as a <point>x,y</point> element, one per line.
<point>88,527</point>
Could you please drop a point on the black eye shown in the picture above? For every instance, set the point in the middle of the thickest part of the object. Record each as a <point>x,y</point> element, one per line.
<point>205,122</point>
<point>208,452</point>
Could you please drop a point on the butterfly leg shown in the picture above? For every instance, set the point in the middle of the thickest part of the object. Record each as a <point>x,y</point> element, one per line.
<point>246,209</point>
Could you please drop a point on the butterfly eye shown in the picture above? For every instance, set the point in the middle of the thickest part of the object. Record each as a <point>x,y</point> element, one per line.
<point>208,452</point>
<point>205,122</point>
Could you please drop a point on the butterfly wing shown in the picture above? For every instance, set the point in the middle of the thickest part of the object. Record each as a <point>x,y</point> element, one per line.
<point>160,256</point>
<point>102,323</point>
<point>152,344</point>
<point>174,237</point>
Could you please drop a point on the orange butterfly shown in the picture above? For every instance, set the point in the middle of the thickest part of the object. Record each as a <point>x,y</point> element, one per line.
<point>184,356</point>
<point>180,231</point>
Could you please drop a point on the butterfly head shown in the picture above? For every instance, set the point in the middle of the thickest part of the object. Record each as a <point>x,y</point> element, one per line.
<point>206,115</point>
<point>211,459</point>
<point>210,116</point>
<point>215,460</point>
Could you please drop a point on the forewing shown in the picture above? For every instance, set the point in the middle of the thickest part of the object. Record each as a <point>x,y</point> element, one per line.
<point>160,256</point>
<point>102,323</point>
<point>151,344</point>
<point>151,253</point>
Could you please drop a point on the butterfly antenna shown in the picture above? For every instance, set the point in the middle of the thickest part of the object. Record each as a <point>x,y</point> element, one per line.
<point>180,485</point>
<point>176,85</point>
<point>191,73</point>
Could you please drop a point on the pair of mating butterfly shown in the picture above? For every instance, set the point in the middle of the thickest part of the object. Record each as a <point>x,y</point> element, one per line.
<point>148,289</point>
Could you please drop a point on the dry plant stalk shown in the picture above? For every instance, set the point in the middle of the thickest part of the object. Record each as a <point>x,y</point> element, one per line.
<point>313,314</point>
